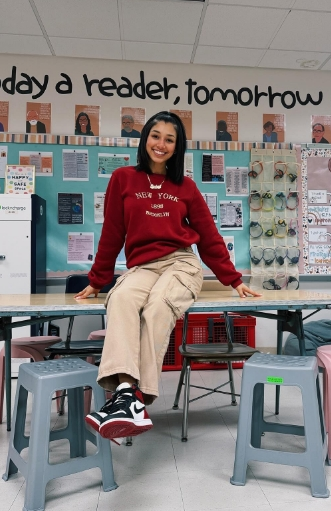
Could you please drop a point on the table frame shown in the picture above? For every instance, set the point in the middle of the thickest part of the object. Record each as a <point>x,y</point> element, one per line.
<point>289,307</point>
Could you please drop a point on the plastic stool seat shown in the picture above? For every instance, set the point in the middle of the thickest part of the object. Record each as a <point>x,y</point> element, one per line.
<point>260,370</point>
<point>42,380</point>
<point>323,354</point>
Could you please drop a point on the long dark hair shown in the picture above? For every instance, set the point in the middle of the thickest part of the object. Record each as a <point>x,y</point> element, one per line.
<point>88,126</point>
<point>175,165</point>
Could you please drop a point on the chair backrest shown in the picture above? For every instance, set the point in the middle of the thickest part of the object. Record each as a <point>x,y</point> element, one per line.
<point>75,283</point>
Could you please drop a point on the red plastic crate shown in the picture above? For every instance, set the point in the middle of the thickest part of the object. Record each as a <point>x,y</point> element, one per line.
<point>197,332</point>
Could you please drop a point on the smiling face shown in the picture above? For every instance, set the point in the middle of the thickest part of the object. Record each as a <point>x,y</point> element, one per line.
<point>268,129</point>
<point>161,145</point>
<point>83,122</point>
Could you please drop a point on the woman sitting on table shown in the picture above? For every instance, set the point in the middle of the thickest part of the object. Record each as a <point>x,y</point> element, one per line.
<point>159,214</point>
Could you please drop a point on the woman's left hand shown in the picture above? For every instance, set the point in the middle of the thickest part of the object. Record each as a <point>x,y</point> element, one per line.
<point>244,291</point>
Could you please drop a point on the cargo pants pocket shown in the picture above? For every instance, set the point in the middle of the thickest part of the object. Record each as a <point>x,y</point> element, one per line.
<point>184,286</point>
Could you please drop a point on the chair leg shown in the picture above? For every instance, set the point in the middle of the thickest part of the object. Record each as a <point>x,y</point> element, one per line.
<point>180,385</point>
<point>186,401</point>
<point>231,382</point>
<point>2,382</point>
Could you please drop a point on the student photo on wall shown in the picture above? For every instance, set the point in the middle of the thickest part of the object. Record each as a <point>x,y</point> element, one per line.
<point>269,134</point>
<point>83,125</point>
<point>318,134</point>
<point>221,132</point>
<point>128,127</point>
<point>33,125</point>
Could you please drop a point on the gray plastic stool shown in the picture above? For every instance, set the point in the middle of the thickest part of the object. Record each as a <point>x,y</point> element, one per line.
<point>42,379</point>
<point>260,370</point>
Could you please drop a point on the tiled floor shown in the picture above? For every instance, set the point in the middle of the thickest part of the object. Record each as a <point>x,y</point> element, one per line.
<point>161,473</point>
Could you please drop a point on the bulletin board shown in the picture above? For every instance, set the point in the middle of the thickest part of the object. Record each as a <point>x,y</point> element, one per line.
<point>236,155</point>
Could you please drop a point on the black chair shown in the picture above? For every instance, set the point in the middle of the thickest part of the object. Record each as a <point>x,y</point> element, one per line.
<point>210,352</point>
<point>82,348</point>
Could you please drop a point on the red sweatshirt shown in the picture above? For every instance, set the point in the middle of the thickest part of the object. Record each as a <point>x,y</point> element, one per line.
<point>155,223</point>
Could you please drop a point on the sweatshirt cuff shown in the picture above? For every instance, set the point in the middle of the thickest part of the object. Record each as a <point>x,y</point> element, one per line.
<point>236,283</point>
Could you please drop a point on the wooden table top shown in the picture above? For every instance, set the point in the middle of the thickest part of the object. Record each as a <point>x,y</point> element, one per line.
<point>208,300</point>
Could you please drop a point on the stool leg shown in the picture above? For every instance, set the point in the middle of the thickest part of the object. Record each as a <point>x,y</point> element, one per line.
<point>180,385</point>
<point>37,473</point>
<point>76,422</point>
<point>244,432</point>
<point>315,437</point>
<point>257,415</point>
<point>186,403</point>
<point>18,441</point>
<point>103,445</point>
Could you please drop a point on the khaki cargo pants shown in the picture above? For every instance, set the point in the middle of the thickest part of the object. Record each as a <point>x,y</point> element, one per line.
<point>142,309</point>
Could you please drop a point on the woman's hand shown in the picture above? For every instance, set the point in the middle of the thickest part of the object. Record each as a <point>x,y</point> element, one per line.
<point>244,291</point>
<point>89,290</point>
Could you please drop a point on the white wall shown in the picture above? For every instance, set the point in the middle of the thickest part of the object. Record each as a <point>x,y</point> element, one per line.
<point>250,117</point>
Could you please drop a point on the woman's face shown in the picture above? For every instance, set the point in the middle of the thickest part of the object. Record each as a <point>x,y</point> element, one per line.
<point>161,145</point>
<point>83,121</point>
<point>268,130</point>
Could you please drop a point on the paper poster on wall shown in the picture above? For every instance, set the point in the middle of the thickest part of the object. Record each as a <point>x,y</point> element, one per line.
<point>75,165</point>
<point>236,179</point>
<point>212,168</point>
<point>20,179</point>
<point>107,163</point>
<point>43,162</point>
<point>70,208</point>
<point>229,243</point>
<point>38,117</point>
<point>3,159</point>
<point>321,129</point>
<point>273,128</point>
<point>98,205</point>
<point>87,120</point>
<point>186,117</point>
<point>188,165</point>
<point>132,121</point>
<point>80,247</point>
<point>231,215</point>
<point>211,201</point>
<point>226,126</point>
<point>4,116</point>
<point>316,210</point>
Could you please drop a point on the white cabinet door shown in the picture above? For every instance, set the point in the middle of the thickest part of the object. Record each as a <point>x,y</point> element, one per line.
<point>15,257</point>
<point>15,268</point>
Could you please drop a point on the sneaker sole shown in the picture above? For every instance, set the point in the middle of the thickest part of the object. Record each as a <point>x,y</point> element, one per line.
<point>95,424</point>
<point>122,428</point>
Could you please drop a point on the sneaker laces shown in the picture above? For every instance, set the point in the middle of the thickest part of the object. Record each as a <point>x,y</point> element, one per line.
<point>120,398</point>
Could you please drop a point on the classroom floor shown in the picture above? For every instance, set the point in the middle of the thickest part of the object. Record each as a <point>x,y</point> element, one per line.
<point>161,473</point>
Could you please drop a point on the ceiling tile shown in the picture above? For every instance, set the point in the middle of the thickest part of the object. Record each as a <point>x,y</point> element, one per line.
<point>86,48</point>
<point>160,21</point>
<point>327,66</point>
<point>17,17</point>
<point>257,3</point>
<point>158,52</point>
<point>80,18</point>
<point>309,5</point>
<point>217,56</point>
<point>24,44</point>
<point>293,59</point>
<point>246,27</point>
<point>294,34</point>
